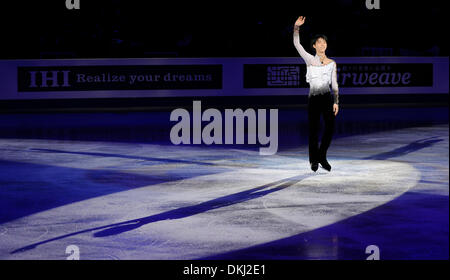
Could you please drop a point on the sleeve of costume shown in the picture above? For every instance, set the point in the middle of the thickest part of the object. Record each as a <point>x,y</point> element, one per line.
<point>307,57</point>
<point>334,84</point>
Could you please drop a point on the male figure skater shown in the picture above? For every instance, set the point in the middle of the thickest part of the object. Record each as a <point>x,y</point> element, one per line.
<point>320,74</point>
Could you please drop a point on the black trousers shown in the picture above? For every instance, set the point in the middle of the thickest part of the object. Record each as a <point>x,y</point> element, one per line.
<point>320,105</point>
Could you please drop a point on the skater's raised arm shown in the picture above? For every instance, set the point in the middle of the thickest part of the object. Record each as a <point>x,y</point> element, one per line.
<point>307,57</point>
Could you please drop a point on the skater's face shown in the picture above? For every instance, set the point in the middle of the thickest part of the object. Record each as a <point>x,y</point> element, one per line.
<point>320,45</point>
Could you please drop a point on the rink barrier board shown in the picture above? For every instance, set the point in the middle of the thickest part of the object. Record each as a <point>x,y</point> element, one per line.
<point>202,77</point>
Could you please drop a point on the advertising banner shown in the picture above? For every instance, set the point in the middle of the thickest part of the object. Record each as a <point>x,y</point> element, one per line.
<point>197,77</point>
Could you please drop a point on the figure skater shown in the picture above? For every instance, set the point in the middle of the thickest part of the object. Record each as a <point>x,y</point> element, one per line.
<point>320,74</point>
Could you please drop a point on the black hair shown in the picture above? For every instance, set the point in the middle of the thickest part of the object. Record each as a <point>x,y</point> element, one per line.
<point>317,37</point>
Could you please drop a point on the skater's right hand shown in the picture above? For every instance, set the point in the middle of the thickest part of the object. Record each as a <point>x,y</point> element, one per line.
<point>300,21</point>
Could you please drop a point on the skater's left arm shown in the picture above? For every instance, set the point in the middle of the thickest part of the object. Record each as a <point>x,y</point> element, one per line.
<point>335,88</point>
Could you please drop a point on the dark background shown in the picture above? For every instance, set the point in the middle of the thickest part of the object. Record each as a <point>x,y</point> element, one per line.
<point>177,29</point>
<point>120,28</point>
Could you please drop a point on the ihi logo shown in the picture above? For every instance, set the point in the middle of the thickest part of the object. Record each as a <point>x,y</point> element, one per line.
<point>213,132</point>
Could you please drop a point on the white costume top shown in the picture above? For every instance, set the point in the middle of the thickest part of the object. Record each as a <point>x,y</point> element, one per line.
<point>318,75</point>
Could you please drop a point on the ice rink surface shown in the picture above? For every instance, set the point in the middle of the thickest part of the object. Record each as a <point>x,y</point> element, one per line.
<point>145,201</point>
